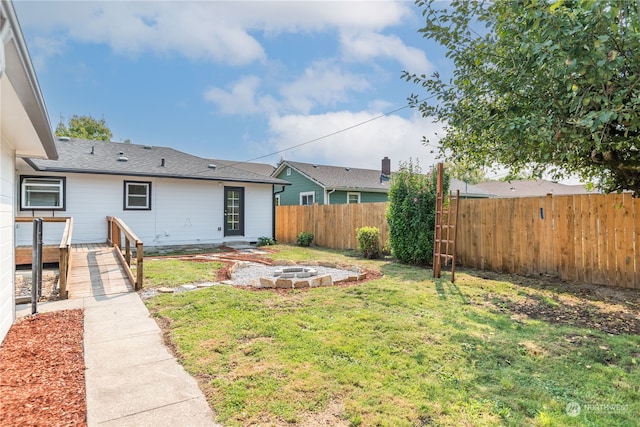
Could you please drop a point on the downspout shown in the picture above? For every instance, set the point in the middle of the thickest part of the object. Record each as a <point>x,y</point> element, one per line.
<point>328,198</point>
<point>273,210</point>
<point>5,36</point>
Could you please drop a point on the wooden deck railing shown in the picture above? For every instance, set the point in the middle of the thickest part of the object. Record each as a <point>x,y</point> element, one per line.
<point>116,228</point>
<point>23,256</point>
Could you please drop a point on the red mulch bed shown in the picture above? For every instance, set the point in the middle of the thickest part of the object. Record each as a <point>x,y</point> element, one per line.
<point>42,371</point>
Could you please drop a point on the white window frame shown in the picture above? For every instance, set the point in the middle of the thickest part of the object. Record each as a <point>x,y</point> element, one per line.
<point>59,187</point>
<point>147,196</point>
<point>307,194</point>
<point>349,194</point>
<point>288,171</point>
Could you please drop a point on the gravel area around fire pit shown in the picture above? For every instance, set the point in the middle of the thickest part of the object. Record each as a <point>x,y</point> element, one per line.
<point>249,273</point>
<point>253,274</point>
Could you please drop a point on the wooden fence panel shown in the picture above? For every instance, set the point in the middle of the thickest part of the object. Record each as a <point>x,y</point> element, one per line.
<point>583,238</point>
<point>590,238</point>
<point>636,242</point>
<point>334,226</point>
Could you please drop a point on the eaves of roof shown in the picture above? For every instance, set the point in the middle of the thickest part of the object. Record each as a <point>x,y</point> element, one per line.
<point>115,158</point>
<point>285,163</point>
<point>21,73</point>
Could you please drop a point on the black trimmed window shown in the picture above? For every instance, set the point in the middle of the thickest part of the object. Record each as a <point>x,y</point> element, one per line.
<point>137,195</point>
<point>42,193</point>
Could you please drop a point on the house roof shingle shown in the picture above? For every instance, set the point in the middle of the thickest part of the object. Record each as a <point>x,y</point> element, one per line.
<point>117,158</point>
<point>530,188</point>
<point>354,179</point>
<point>468,190</point>
<point>340,178</point>
<point>259,168</point>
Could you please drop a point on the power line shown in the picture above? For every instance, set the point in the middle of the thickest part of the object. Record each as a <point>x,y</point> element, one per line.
<point>324,136</point>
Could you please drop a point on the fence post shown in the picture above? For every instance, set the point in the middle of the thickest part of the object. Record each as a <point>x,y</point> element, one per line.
<point>36,265</point>
<point>139,265</point>
<point>109,231</point>
<point>127,250</point>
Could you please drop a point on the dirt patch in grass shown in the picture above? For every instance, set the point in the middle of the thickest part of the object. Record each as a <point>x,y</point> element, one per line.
<point>42,371</point>
<point>604,308</point>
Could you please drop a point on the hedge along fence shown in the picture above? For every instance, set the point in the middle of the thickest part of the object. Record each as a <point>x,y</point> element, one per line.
<point>590,238</point>
<point>333,226</point>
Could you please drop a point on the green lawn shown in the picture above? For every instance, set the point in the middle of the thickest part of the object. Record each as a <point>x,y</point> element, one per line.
<point>171,272</point>
<point>401,350</point>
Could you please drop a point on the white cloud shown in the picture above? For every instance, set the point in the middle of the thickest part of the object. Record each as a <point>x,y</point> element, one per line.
<point>195,30</point>
<point>323,83</point>
<point>362,146</point>
<point>364,47</point>
<point>242,98</point>
<point>219,31</point>
<point>43,49</point>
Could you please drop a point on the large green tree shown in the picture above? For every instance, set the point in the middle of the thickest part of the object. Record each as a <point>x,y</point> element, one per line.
<point>84,127</point>
<point>542,85</point>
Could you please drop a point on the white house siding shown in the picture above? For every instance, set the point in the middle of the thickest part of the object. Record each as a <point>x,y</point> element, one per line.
<point>183,211</point>
<point>7,261</point>
<point>258,212</point>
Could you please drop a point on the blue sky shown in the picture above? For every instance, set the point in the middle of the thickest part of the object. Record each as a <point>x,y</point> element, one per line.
<point>238,80</point>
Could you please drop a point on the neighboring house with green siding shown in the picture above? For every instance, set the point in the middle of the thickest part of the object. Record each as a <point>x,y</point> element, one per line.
<point>312,183</point>
<point>324,185</point>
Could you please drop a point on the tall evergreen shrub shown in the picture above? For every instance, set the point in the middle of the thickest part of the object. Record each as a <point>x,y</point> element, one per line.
<point>411,214</point>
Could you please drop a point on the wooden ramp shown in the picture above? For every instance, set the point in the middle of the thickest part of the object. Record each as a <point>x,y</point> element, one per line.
<point>95,271</point>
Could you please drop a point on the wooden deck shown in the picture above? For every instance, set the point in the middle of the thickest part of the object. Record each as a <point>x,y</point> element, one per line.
<point>96,271</point>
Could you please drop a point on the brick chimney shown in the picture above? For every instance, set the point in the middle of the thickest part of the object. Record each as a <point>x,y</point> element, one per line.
<point>386,166</point>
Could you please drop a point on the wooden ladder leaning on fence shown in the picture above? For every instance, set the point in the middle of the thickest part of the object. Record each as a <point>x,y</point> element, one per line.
<point>444,243</point>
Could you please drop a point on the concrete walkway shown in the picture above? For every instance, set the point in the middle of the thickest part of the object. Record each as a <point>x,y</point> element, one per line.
<point>131,377</point>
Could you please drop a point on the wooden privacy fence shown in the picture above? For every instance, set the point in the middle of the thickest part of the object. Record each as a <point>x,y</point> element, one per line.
<point>333,226</point>
<point>116,228</point>
<point>591,238</point>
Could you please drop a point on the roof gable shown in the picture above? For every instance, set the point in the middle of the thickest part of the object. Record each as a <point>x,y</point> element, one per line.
<point>339,178</point>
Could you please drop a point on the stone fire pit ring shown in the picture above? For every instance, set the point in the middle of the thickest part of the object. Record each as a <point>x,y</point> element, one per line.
<point>293,276</point>
<point>297,272</point>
